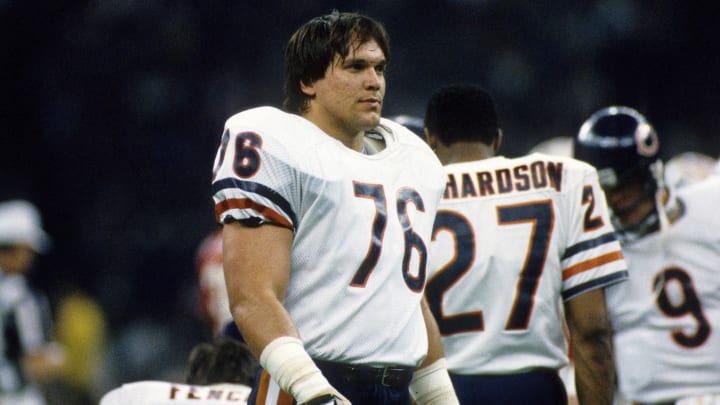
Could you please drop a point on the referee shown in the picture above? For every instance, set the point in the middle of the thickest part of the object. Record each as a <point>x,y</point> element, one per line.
<point>26,356</point>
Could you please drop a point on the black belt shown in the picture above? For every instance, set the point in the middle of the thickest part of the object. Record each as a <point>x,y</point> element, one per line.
<point>395,377</point>
<point>654,403</point>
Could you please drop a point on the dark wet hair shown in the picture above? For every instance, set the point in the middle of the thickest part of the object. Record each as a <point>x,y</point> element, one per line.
<point>462,112</point>
<point>312,48</point>
<point>226,360</point>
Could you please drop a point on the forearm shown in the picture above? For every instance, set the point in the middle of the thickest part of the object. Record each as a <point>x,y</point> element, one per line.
<point>256,263</point>
<point>594,369</point>
<point>261,321</point>
<point>435,349</point>
<point>591,340</point>
<point>269,331</point>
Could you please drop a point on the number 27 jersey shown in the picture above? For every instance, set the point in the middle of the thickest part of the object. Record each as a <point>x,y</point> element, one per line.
<point>361,227</point>
<point>513,238</point>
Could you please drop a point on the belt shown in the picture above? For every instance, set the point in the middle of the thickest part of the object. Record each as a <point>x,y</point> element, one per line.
<point>654,403</point>
<point>395,377</point>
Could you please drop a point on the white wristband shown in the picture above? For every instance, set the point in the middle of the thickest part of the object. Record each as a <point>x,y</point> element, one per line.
<point>431,385</point>
<point>286,360</point>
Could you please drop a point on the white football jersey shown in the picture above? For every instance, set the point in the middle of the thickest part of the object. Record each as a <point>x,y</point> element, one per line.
<point>667,317</point>
<point>514,238</point>
<point>361,223</point>
<point>167,393</point>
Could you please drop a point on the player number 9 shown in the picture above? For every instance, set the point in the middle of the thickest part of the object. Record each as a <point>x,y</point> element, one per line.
<point>689,305</point>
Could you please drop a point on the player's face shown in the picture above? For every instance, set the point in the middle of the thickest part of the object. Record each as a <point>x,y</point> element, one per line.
<point>348,99</point>
<point>624,201</point>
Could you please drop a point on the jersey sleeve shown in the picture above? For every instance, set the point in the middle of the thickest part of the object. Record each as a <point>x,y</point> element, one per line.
<point>253,177</point>
<point>593,258</point>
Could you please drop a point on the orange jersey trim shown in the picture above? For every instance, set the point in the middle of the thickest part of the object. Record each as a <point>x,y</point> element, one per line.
<point>591,264</point>
<point>244,203</point>
<point>263,388</point>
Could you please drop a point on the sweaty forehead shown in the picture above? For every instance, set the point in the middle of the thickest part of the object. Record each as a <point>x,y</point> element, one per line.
<point>368,50</point>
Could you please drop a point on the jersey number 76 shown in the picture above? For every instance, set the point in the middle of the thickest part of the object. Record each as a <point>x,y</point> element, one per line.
<point>413,241</point>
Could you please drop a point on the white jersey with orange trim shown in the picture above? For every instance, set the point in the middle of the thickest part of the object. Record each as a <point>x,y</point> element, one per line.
<point>168,393</point>
<point>361,224</point>
<point>514,238</point>
<point>667,317</point>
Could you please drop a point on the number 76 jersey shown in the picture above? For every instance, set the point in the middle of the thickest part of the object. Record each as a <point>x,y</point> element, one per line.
<point>513,239</point>
<point>361,224</point>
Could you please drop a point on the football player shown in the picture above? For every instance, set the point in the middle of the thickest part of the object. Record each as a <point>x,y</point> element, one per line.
<point>327,211</point>
<point>520,247</point>
<point>666,318</point>
<point>562,146</point>
<point>220,373</point>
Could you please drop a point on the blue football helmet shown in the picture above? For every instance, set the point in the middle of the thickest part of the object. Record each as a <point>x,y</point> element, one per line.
<point>623,146</point>
<point>620,143</point>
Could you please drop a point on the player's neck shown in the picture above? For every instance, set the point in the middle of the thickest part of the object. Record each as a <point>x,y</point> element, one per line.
<point>350,137</point>
<point>464,152</point>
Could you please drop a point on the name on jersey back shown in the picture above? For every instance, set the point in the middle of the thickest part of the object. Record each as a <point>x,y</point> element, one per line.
<point>528,176</point>
<point>184,392</point>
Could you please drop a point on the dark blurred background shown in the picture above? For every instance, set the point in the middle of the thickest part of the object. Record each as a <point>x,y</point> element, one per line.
<point>112,110</point>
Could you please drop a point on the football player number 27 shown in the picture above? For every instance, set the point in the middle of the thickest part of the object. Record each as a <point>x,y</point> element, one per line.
<point>540,215</point>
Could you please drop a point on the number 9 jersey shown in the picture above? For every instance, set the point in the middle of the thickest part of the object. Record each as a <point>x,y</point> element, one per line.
<point>667,317</point>
<point>514,238</point>
<point>361,227</point>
